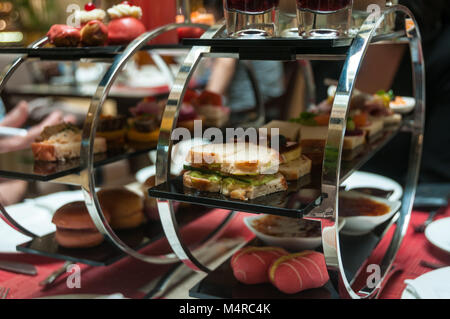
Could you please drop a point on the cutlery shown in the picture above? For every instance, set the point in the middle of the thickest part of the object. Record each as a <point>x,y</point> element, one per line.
<point>55,275</point>
<point>431,265</point>
<point>19,268</point>
<point>431,198</point>
<point>12,131</point>
<point>421,228</point>
<point>4,293</point>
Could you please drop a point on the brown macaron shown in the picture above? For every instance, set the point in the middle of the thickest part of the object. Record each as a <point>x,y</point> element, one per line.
<point>75,228</point>
<point>126,207</point>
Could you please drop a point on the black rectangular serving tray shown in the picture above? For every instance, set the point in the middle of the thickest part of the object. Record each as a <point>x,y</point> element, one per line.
<point>221,284</point>
<point>107,254</point>
<point>69,54</point>
<point>297,201</point>
<point>274,48</point>
<point>21,164</point>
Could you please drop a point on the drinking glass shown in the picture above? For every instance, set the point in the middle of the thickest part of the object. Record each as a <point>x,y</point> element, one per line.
<point>287,22</point>
<point>324,18</point>
<point>250,18</point>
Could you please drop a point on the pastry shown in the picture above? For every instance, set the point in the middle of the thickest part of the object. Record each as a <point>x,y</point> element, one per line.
<point>75,228</point>
<point>61,35</point>
<point>251,264</point>
<point>125,207</point>
<point>145,123</point>
<point>297,272</point>
<point>125,24</point>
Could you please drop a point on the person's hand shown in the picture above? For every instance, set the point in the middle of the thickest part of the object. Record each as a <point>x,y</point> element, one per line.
<point>17,118</point>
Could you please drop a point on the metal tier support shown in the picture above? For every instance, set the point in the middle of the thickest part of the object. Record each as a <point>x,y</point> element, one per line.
<point>6,74</point>
<point>327,211</point>
<point>87,179</point>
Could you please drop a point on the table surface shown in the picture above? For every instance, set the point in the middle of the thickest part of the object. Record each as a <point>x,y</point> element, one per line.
<point>132,277</point>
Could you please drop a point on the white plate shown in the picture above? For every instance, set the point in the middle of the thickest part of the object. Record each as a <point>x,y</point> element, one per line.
<point>438,233</point>
<point>145,173</point>
<point>36,219</point>
<point>363,179</point>
<point>54,201</point>
<point>406,108</point>
<point>436,276</point>
<point>289,243</point>
<point>361,225</point>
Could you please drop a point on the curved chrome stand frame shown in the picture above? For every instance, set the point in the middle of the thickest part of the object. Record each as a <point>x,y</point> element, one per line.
<point>87,179</point>
<point>327,211</point>
<point>6,74</point>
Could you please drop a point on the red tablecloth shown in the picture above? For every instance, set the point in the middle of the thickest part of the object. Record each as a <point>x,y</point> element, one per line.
<point>128,275</point>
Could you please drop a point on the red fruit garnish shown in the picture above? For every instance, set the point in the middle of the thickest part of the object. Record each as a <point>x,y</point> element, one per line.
<point>127,2</point>
<point>90,6</point>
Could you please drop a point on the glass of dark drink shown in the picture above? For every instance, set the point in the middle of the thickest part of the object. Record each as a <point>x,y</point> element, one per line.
<point>324,18</point>
<point>250,18</point>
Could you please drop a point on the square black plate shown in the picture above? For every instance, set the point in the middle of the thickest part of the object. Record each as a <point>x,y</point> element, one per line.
<point>107,254</point>
<point>292,203</point>
<point>21,164</point>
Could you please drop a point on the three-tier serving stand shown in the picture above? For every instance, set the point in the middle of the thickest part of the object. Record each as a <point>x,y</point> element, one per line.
<point>334,172</point>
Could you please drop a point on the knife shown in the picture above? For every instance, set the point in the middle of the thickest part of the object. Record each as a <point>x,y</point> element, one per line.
<point>19,268</point>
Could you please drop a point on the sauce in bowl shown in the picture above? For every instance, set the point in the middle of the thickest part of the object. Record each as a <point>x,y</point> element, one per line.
<point>278,226</point>
<point>352,207</point>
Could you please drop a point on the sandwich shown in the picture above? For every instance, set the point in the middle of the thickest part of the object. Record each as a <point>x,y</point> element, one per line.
<point>290,130</point>
<point>238,170</point>
<point>210,105</point>
<point>145,123</point>
<point>187,117</point>
<point>314,133</point>
<point>62,142</point>
<point>372,127</point>
<point>294,164</point>
<point>378,107</point>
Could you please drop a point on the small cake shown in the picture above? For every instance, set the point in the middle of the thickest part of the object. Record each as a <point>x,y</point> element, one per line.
<point>75,228</point>
<point>251,264</point>
<point>294,273</point>
<point>126,207</point>
<point>93,31</point>
<point>61,35</point>
<point>145,123</point>
<point>125,24</point>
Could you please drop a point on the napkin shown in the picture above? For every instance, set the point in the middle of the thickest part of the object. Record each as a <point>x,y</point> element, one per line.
<point>429,289</point>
